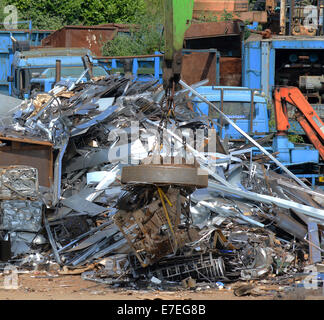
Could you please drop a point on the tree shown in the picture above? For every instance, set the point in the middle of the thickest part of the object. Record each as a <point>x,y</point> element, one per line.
<point>145,38</point>
<point>53,14</point>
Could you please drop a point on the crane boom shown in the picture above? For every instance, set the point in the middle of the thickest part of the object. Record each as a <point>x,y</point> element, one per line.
<point>305,115</point>
<point>177,19</point>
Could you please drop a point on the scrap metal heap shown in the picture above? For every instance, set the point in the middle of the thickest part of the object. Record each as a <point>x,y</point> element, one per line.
<point>117,216</point>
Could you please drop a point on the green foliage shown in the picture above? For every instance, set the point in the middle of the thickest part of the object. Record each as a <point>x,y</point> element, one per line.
<point>226,16</point>
<point>122,45</point>
<point>145,39</point>
<point>154,7</point>
<point>207,17</point>
<point>295,138</point>
<point>211,17</point>
<point>53,14</point>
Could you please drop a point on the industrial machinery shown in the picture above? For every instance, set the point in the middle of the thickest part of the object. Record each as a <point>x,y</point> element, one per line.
<point>178,15</point>
<point>8,47</point>
<point>244,106</point>
<point>285,61</point>
<point>290,103</point>
<point>35,70</point>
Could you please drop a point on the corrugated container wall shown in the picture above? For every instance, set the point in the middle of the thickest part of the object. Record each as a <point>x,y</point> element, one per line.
<point>221,5</point>
<point>90,37</point>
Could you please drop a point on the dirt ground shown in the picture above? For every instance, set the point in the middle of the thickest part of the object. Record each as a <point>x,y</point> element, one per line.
<point>41,286</point>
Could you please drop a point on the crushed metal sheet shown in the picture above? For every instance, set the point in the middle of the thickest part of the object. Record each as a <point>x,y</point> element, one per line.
<point>18,182</point>
<point>20,215</point>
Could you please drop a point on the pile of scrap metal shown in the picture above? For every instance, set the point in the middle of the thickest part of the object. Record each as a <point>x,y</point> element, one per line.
<point>116,215</point>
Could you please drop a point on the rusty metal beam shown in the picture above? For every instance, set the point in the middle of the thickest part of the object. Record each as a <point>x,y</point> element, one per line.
<point>58,71</point>
<point>129,57</point>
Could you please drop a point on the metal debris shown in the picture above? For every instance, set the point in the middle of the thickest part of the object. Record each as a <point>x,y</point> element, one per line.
<point>134,199</point>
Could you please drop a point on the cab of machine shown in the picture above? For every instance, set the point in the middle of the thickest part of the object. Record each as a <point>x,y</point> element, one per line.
<point>45,81</point>
<point>246,107</point>
<point>33,70</point>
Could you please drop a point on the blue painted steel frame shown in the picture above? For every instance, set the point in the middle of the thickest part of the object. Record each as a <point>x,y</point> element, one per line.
<point>236,94</point>
<point>6,50</point>
<point>257,54</point>
<point>117,63</point>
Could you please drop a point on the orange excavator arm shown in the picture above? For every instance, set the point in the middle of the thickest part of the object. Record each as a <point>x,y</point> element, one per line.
<point>305,115</point>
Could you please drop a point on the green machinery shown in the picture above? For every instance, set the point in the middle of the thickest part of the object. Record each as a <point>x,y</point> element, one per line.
<point>177,15</point>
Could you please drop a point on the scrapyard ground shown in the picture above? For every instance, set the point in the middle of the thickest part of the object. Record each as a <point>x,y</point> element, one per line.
<point>40,286</point>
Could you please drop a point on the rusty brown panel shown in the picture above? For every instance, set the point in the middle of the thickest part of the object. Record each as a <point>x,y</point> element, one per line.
<point>257,16</point>
<point>26,140</point>
<point>92,38</point>
<point>34,155</point>
<point>230,71</point>
<point>213,29</point>
<point>55,40</point>
<point>221,5</point>
<point>199,66</point>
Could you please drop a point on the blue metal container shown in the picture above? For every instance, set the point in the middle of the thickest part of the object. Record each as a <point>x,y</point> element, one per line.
<point>6,51</point>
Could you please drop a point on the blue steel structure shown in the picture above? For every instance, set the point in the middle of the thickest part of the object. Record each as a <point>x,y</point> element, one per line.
<point>46,80</point>
<point>244,106</point>
<point>259,71</point>
<point>143,69</point>
<point>146,69</point>
<point>6,50</point>
<point>31,69</point>
<point>259,59</point>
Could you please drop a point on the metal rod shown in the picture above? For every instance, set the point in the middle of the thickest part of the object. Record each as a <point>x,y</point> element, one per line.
<point>283,17</point>
<point>87,66</point>
<point>235,126</point>
<point>129,57</point>
<point>282,203</point>
<point>52,241</point>
<point>318,16</point>
<point>290,16</point>
<point>321,5</point>
<point>292,8</point>
<point>58,71</point>
<point>252,112</point>
<point>222,108</point>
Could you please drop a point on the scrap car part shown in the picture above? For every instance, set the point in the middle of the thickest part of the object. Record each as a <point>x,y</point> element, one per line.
<point>260,264</point>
